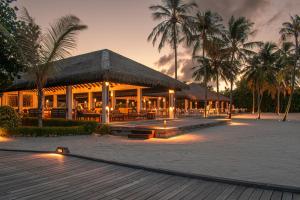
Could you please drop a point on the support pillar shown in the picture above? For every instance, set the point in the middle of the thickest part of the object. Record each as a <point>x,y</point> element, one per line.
<point>20,101</point>
<point>191,105</point>
<point>186,105</point>
<point>54,101</point>
<point>90,101</point>
<point>171,104</point>
<point>105,97</point>
<point>139,100</point>
<point>69,102</point>
<point>113,99</point>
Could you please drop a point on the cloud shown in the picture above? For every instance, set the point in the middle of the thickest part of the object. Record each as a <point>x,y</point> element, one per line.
<point>165,59</point>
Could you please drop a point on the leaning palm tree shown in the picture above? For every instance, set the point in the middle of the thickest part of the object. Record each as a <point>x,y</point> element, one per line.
<point>205,26</point>
<point>42,49</point>
<point>174,18</point>
<point>236,36</point>
<point>288,30</point>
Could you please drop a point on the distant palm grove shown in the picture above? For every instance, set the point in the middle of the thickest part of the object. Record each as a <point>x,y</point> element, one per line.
<point>265,73</point>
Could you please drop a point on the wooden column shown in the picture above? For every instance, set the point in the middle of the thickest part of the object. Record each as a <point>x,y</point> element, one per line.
<point>186,105</point>
<point>20,101</point>
<point>90,101</point>
<point>105,97</point>
<point>113,99</point>
<point>139,100</point>
<point>69,102</point>
<point>191,105</point>
<point>171,104</point>
<point>54,101</point>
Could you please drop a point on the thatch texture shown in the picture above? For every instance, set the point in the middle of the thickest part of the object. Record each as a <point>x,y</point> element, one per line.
<point>194,92</point>
<point>103,65</point>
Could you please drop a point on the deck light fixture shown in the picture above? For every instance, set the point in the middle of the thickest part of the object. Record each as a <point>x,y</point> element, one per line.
<point>171,91</point>
<point>62,150</point>
<point>107,83</point>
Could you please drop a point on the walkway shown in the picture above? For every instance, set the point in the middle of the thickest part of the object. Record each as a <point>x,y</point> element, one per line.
<point>52,176</point>
<point>265,151</point>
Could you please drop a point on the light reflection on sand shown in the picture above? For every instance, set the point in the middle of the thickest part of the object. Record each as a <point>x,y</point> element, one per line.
<point>188,138</point>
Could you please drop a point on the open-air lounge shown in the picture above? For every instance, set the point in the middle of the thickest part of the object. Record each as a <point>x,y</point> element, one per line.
<point>106,86</point>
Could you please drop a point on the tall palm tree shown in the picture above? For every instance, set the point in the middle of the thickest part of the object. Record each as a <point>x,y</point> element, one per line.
<point>261,70</point>
<point>42,49</point>
<point>217,56</point>
<point>288,30</point>
<point>284,67</point>
<point>236,37</point>
<point>174,18</point>
<point>205,26</point>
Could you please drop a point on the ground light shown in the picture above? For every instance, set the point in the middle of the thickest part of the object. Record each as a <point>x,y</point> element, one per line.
<point>62,150</point>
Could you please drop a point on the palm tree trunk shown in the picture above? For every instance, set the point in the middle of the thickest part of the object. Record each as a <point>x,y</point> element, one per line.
<point>253,100</point>
<point>278,101</point>
<point>260,96</point>
<point>293,81</point>
<point>205,78</point>
<point>175,48</point>
<point>218,95</point>
<point>40,104</point>
<point>231,89</point>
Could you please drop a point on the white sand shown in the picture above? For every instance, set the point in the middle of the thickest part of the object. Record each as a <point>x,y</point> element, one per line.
<point>248,149</point>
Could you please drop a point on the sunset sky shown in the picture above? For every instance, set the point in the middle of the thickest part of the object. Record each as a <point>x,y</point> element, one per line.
<point>124,25</point>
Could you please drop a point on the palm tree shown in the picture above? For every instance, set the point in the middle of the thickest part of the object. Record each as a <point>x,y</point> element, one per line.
<point>283,70</point>
<point>174,18</point>
<point>261,71</point>
<point>205,26</point>
<point>288,30</point>
<point>236,37</point>
<point>217,56</point>
<point>42,49</point>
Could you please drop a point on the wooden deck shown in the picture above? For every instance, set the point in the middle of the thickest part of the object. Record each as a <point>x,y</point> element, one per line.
<point>173,126</point>
<point>52,176</point>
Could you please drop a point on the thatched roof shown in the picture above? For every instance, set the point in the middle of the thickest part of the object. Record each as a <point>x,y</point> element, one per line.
<point>103,65</point>
<point>194,92</point>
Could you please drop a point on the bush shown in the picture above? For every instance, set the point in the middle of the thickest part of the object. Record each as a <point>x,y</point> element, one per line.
<point>103,129</point>
<point>32,131</point>
<point>9,118</point>
<point>89,126</point>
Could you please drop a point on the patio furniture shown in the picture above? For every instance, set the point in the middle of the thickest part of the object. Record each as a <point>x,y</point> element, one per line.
<point>116,115</point>
<point>151,115</point>
<point>33,112</point>
<point>58,113</point>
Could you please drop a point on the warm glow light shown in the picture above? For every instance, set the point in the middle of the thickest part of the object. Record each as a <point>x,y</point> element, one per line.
<point>95,100</point>
<point>171,108</point>
<point>107,108</point>
<point>111,94</point>
<point>165,123</point>
<point>107,83</point>
<point>171,91</point>
<point>238,124</point>
<point>188,138</point>
<point>5,139</point>
<point>53,156</point>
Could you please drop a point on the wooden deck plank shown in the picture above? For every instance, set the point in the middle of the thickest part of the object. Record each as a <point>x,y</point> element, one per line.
<point>276,195</point>
<point>38,176</point>
<point>266,195</point>
<point>287,196</point>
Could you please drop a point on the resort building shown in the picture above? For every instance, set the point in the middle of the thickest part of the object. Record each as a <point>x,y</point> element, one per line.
<point>106,86</point>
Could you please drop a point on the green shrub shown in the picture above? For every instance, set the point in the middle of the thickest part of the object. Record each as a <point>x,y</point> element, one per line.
<point>9,118</point>
<point>31,131</point>
<point>103,129</point>
<point>89,126</point>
